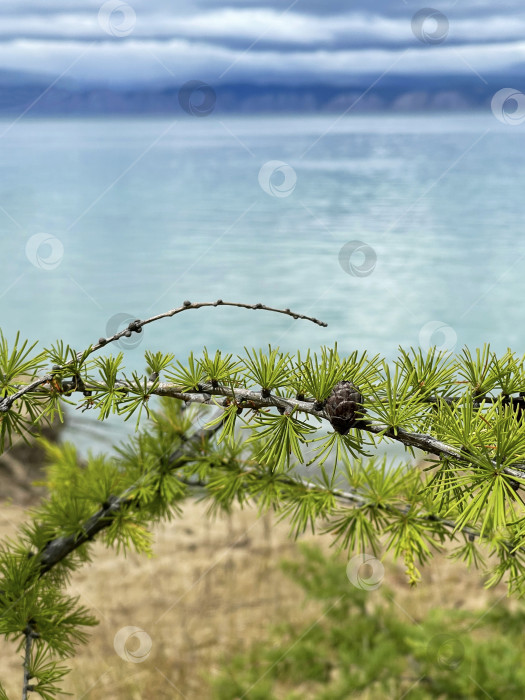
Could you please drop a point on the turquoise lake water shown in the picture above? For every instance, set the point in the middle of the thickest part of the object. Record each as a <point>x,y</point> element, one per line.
<point>394,230</point>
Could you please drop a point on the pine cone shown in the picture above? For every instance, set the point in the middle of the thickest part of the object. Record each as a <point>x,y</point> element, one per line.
<point>344,407</point>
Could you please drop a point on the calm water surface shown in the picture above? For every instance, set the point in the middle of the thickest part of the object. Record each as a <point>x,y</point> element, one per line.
<point>148,213</point>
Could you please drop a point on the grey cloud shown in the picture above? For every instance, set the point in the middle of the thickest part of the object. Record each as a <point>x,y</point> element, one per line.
<point>260,28</point>
<point>262,39</point>
<point>388,8</point>
<point>176,61</point>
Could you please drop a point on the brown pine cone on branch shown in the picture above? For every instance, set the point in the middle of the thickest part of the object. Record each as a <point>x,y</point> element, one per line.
<point>344,407</point>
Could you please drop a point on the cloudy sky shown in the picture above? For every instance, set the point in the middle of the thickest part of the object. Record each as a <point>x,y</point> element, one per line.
<point>258,41</point>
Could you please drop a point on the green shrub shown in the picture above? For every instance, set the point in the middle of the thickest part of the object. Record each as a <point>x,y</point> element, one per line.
<point>363,646</point>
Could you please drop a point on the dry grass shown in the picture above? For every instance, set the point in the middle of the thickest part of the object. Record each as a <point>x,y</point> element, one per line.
<point>212,588</point>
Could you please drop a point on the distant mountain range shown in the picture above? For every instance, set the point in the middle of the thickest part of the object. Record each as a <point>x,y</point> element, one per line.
<point>37,95</point>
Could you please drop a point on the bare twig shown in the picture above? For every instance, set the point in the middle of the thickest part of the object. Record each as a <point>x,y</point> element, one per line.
<point>252,399</point>
<point>136,327</point>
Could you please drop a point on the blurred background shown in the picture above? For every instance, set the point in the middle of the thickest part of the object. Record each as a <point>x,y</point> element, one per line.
<point>361,162</point>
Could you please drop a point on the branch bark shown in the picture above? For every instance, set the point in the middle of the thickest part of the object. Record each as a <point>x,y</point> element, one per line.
<point>59,548</point>
<point>136,327</point>
<point>30,635</point>
<point>253,399</point>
